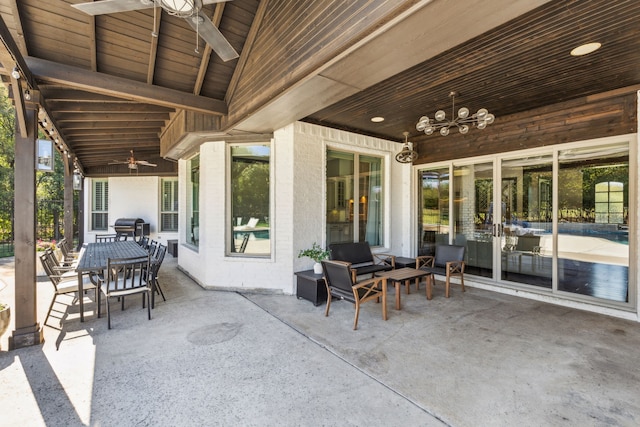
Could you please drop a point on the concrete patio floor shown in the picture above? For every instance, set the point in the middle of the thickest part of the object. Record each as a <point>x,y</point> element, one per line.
<point>225,358</point>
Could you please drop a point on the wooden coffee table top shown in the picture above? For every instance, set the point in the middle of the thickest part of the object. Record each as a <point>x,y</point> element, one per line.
<point>402,274</point>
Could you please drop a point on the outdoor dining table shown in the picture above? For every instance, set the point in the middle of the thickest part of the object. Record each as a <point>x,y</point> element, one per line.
<point>94,257</point>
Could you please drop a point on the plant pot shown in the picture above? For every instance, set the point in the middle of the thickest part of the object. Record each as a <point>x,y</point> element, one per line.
<point>5,319</point>
<point>317,268</point>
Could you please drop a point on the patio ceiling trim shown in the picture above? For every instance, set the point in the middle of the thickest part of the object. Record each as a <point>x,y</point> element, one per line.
<point>104,84</point>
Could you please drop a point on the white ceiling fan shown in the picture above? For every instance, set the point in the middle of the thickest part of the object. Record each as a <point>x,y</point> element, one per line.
<point>190,10</point>
<point>132,163</point>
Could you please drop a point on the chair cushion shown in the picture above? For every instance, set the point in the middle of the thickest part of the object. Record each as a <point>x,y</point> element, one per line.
<point>373,268</point>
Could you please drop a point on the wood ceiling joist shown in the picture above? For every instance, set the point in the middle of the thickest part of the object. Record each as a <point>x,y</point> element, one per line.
<point>106,107</point>
<point>51,72</point>
<point>106,126</point>
<point>99,117</point>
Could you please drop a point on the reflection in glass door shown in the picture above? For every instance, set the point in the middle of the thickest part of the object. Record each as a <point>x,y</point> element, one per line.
<point>593,222</point>
<point>434,209</point>
<point>557,222</point>
<point>475,216</point>
<point>526,229</point>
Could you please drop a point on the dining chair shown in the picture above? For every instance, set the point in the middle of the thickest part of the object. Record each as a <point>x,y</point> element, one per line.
<point>153,247</point>
<point>125,276</point>
<point>154,268</point>
<point>340,284</point>
<point>64,282</point>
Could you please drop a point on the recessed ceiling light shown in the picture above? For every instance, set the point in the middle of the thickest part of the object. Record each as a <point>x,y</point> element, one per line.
<point>585,49</point>
<point>377,119</point>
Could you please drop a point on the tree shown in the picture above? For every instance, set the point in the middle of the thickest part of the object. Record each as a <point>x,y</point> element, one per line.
<point>7,159</point>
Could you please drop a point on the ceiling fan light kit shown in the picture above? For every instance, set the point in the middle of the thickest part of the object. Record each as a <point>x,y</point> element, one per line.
<point>190,10</point>
<point>132,163</point>
<point>441,124</point>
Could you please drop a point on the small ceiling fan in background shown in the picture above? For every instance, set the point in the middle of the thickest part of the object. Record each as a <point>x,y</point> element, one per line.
<point>132,163</point>
<point>190,10</point>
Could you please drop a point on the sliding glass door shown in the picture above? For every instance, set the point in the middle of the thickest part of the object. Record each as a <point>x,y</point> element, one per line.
<point>554,221</point>
<point>526,230</point>
<point>475,215</point>
<point>593,222</point>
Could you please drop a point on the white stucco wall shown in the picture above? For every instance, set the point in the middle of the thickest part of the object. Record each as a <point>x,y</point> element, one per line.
<point>297,208</point>
<point>129,197</point>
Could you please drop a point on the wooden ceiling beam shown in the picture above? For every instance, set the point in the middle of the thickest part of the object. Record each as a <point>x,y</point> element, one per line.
<point>125,124</point>
<point>52,72</point>
<point>106,107</point>
<point>109,117</point>
<point>111,133</point>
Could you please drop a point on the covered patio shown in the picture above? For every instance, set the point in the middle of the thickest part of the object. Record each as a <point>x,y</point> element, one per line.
<point>233,358</point>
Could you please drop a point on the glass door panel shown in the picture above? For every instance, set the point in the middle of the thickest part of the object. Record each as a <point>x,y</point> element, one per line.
<point>526,238</point>
<point>593,208</point>
<point>434,210</point>
<point>474,212</point>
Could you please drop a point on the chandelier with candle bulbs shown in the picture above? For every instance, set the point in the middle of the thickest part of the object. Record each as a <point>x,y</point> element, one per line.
<point>463,121</point>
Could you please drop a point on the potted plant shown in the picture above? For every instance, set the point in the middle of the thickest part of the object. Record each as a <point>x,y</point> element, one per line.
<point>317,254</point>
<point>5,317</point>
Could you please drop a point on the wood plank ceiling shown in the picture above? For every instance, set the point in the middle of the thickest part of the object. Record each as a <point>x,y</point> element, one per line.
<point>109,86</point>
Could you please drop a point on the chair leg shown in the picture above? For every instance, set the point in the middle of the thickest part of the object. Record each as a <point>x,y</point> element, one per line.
<point>446,289</point>
<point>99,292</point>
<point>159,289</point>
<point>462,282</point>
<point>355,320</point>
<point>326,311</point>
<point>148,306</point>
<point>108,313</point>
<point>53,300</point>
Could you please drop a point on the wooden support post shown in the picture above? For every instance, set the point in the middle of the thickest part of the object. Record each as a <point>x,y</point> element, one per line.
<point>27,329</point>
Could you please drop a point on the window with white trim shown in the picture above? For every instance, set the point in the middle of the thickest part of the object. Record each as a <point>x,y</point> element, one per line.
<point>169,204</point>
<point>100,204</point>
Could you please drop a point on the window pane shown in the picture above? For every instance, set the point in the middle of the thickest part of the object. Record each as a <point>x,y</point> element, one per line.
<point>193,202</point>
<point>169,205</point>
<point>250,199</point>
<point>370,209</point>
<point>593,206</point>
<point>100,205</point>
<point>340,196</point>
<point>434,212</point>
<point>354,205</point>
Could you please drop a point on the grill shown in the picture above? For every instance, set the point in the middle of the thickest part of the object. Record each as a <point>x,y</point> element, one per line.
<point>133,227</point>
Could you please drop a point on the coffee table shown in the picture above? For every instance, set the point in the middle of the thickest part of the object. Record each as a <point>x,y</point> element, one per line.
<point>405,275</point>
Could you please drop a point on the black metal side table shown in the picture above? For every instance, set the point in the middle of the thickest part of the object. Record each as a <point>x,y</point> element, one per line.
<point>311,287</point>
<point>402,262</point>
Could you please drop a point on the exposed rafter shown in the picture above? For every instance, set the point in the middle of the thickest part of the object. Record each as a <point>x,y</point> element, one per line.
<point>56,73</point>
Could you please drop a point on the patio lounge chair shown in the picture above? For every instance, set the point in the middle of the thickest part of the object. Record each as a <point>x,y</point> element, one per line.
<point>63,282</point>
<point>339,282</point>
<point>447,261</point>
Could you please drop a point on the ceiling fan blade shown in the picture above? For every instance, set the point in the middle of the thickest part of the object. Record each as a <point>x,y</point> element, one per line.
<point>214,38</point>
<point>145,163</point>
<point>118,162</point>
<point>112,6</point>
